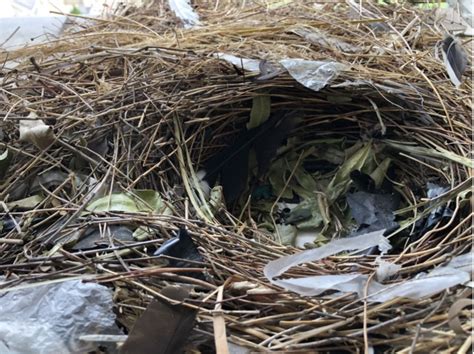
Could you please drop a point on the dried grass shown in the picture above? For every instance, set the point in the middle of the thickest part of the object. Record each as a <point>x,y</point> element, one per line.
<point>151,90</point>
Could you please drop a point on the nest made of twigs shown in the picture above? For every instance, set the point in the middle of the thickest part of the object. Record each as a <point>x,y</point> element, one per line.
<point>135,104</point>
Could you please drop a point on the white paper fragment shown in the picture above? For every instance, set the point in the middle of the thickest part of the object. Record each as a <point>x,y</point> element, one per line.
<point>312,74</point>
<point>246,64</point>
<point>385,269</point>
<point>456,272</point>
<point>36,132</point>
<point>185,12</point>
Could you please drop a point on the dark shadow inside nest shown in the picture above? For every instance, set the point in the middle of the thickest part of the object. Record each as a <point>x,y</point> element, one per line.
<point>307,157</point>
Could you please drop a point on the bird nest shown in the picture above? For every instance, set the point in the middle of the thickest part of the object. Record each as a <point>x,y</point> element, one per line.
<point>137,106</point>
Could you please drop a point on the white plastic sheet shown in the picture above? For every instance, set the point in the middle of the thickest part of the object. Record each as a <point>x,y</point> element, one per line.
<point>184,11</point>
<point>317,284</point>
<point>312,74</point>
<point>246,64</point>
<point>51,318</point>
<point>425,284</point>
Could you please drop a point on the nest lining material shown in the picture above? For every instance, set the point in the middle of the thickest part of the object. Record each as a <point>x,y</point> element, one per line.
<point>137,106</point>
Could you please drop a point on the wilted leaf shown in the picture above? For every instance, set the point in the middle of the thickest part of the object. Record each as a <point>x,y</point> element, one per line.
<point>341,181</point>
<point>163,328</point>
<point>306,181</point>
<point>286,234</point>
<point>138,201</point>
<point>261,106</point>
<point>380,172</point>
<point>143,233</point>
<point>93,237</point>
<point>51,179</point>
<point>438,152</point>
<point>26,203</point>
<point>216,199</point>
<point>36,132</point>
<point>306,214</point>
<point>277,178</point>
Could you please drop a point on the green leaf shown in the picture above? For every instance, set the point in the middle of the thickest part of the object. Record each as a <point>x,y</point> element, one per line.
<point>277,178</point>
<point>305,180</point>
<point>306,214</point>
<point>143,233</point>
<point>26,203</point>
<point>286,234</point>
<point>438,153</point>
<point>261,106</point>
<point>341,181</point>
<point>132,202</point>
<point>216,199</point>
<point>380,172</point>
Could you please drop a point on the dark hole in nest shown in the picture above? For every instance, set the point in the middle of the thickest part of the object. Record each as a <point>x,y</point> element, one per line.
<point>315,160</point>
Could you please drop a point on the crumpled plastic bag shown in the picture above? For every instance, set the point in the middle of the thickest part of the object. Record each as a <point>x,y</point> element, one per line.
<point>312,74</point>
<point>50,318</point>
<point>244,63</point>
<point>457,271</point>
<point>184,11</point>
<point>315,285</point>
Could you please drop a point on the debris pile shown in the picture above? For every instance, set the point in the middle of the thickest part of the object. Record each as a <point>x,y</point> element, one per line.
<point>283,177</point>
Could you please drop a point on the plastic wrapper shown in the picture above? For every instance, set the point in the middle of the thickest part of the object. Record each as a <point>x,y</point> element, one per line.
<point>457,271</point>
<point>51,318</point>
<point>244,63</point>
<point>185,12</point>
<point>312,74</point>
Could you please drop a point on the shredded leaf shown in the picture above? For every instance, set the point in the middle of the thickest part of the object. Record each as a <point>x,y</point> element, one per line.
<point>261,106</point>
